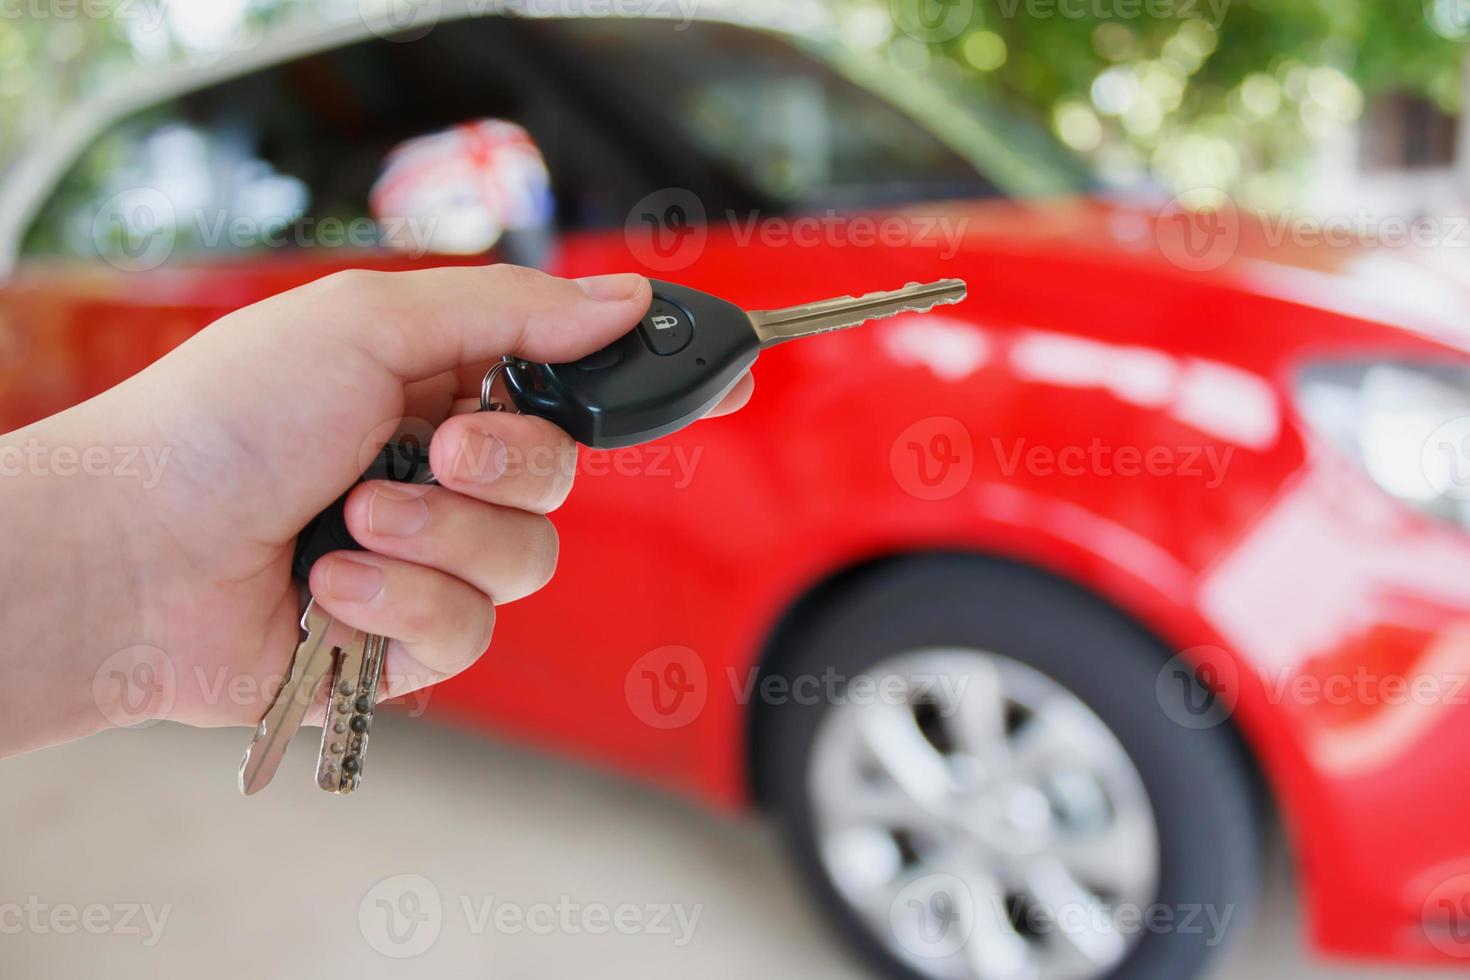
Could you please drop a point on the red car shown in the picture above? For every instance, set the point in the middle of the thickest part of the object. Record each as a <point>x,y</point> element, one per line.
<point>1022,616</point>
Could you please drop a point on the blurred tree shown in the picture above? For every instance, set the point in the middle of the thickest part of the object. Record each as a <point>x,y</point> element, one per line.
<point>1227,93</point>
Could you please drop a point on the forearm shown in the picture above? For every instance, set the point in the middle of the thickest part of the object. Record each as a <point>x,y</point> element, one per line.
<point>70,615</point>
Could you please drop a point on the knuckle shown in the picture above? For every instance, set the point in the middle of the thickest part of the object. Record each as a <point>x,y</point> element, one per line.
<point>556,487</point>
<point>351,286</point>
<point>518,277</point>
<point>419,620</point>
<point>542,553</point>
<point>477,638</point>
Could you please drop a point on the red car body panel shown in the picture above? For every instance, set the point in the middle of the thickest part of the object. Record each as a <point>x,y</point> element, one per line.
<point>970,430</point>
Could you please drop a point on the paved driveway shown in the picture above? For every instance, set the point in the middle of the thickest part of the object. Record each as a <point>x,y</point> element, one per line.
<point>130,855</point>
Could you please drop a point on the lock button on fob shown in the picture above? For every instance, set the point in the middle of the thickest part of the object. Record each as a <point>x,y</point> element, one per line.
<point>667,329</point>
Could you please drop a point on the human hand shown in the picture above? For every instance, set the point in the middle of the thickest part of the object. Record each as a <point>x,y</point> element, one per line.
<point>264,418</point>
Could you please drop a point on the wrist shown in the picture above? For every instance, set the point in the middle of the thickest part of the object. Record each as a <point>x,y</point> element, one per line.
<point>72,615</point>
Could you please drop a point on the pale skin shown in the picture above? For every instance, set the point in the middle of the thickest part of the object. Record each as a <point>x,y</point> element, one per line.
<point>181,588</point>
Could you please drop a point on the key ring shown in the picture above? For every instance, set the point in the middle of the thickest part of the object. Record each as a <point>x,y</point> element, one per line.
<point>488,402</point>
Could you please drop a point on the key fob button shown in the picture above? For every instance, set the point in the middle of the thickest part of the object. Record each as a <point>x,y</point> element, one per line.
<point>667,329</point>
<point>601,360</point>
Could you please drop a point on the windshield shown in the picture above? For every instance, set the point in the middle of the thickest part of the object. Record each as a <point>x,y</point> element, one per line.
<point>744,119</point>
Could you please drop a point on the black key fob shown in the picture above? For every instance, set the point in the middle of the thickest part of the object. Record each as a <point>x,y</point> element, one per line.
<point>682,358</point>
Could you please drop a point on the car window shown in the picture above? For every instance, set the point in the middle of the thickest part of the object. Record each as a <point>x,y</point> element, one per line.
<point>286,157</point>
<point>802,134</point>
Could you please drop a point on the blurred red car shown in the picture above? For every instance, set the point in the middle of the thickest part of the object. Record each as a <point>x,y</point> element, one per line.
<point>1021,616</point>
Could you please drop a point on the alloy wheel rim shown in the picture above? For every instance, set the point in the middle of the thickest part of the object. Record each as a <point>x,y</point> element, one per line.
<point>981,820</point>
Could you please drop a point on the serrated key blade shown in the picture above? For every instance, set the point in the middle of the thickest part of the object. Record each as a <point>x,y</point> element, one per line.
<point>311,664</point>
<point>778,326</point>
<point>350,705</point>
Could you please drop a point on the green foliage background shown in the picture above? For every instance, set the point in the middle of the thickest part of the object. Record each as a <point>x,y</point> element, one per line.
<point>1237,105</point>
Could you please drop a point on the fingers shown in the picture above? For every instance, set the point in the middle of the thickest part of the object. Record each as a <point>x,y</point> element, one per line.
<point>735,400</point>
<point>502,458</point>
<point>442,622</point>
<point>504,553</point>
<point>421,323</point>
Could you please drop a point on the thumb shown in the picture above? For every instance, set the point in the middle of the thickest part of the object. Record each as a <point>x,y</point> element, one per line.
<point>422,323</point>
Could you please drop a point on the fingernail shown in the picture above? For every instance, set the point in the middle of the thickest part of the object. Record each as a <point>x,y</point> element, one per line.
<point>399,512</point>
<point>482,458</point>
<point>352,580</point>
<point>618,287</point>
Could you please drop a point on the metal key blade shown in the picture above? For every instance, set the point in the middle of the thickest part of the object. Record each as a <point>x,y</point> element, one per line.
<point>309,667</point>
<point>349,714</point>
<point>778,326</point>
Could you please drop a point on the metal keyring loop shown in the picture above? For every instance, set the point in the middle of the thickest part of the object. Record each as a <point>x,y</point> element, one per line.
<point>487,399</point>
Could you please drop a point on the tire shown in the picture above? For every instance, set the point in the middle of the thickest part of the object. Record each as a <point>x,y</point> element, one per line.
<point>999,620</point>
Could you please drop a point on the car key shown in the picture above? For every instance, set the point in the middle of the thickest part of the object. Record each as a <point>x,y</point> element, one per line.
<point>314,660</point>
<point>354,694</point>
<point>350,662</point>
<point>685,355</point>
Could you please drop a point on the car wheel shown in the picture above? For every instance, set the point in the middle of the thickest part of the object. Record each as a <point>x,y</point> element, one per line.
<point>978,779</point>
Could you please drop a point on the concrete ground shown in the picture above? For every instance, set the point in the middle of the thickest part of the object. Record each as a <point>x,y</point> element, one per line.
<point>131,855</point>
